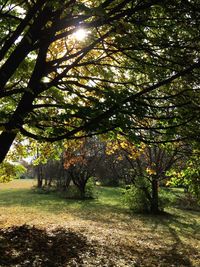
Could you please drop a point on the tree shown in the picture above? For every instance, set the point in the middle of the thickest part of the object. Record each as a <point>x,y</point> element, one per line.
<point>138,61</point>
<point>149,165</point>
<point>80,161</point>
<point>52,175</point>
<point>47,161</point>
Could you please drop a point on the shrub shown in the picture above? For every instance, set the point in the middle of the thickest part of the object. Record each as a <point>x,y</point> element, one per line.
<point>90,188</point>
<point>136,199</point>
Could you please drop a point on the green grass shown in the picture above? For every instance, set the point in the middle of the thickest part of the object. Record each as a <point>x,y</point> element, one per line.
<point>23,200</point>
<point>174,237</point>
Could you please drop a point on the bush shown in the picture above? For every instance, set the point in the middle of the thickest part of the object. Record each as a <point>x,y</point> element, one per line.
<point>136,199</point>
<point>90,188</point>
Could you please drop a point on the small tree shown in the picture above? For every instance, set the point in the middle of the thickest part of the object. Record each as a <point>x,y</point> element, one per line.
<point>80,162</point>
<point>148,165</point>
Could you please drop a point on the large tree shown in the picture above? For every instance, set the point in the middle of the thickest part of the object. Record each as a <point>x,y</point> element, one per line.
<point>138,62</point>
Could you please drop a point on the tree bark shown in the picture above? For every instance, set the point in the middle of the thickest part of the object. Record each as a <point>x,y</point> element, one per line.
<point>154,199</point>
<point>39,176</point>
<point>6,140</point>
<point>13,126</point>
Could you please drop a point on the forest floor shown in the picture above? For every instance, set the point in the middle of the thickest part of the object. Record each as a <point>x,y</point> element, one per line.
<point>44,230</point>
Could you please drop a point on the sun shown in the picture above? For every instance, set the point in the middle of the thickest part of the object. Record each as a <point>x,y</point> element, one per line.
<point>80,34</point>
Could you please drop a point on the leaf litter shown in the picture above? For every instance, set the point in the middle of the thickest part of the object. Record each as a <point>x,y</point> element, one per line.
<point>31,246</point>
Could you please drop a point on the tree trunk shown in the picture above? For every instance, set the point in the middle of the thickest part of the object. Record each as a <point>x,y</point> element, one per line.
<point>6,140</point>
<point>66,182</point>
<point>39,183</point>
<point>16,121</point>
<point>79,184</point>
<point>49,182</point>
<point>82,191</point>
<point>45,181</point>
<point>39,177</point>
<point>154,199</point>
<point>24,106</point>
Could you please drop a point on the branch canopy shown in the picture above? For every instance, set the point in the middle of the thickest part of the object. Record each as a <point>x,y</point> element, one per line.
<point>135,68</point>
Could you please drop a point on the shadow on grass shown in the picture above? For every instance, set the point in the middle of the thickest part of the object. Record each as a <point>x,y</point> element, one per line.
<point>178,253</point>
<point>177,227</point>
<point>29,246</point>
<point>183,222</point>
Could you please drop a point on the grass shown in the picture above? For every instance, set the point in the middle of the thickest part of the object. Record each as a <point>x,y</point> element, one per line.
<point>137,240</point>
<point>20,200</point>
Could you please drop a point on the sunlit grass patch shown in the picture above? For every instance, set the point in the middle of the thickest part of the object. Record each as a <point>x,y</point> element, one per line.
<point>18,183</point>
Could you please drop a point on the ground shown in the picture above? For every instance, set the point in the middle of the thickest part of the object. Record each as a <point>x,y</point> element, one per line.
<point>46,230</point>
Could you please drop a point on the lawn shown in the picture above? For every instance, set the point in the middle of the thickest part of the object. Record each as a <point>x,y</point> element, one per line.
<point>100,232</point>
